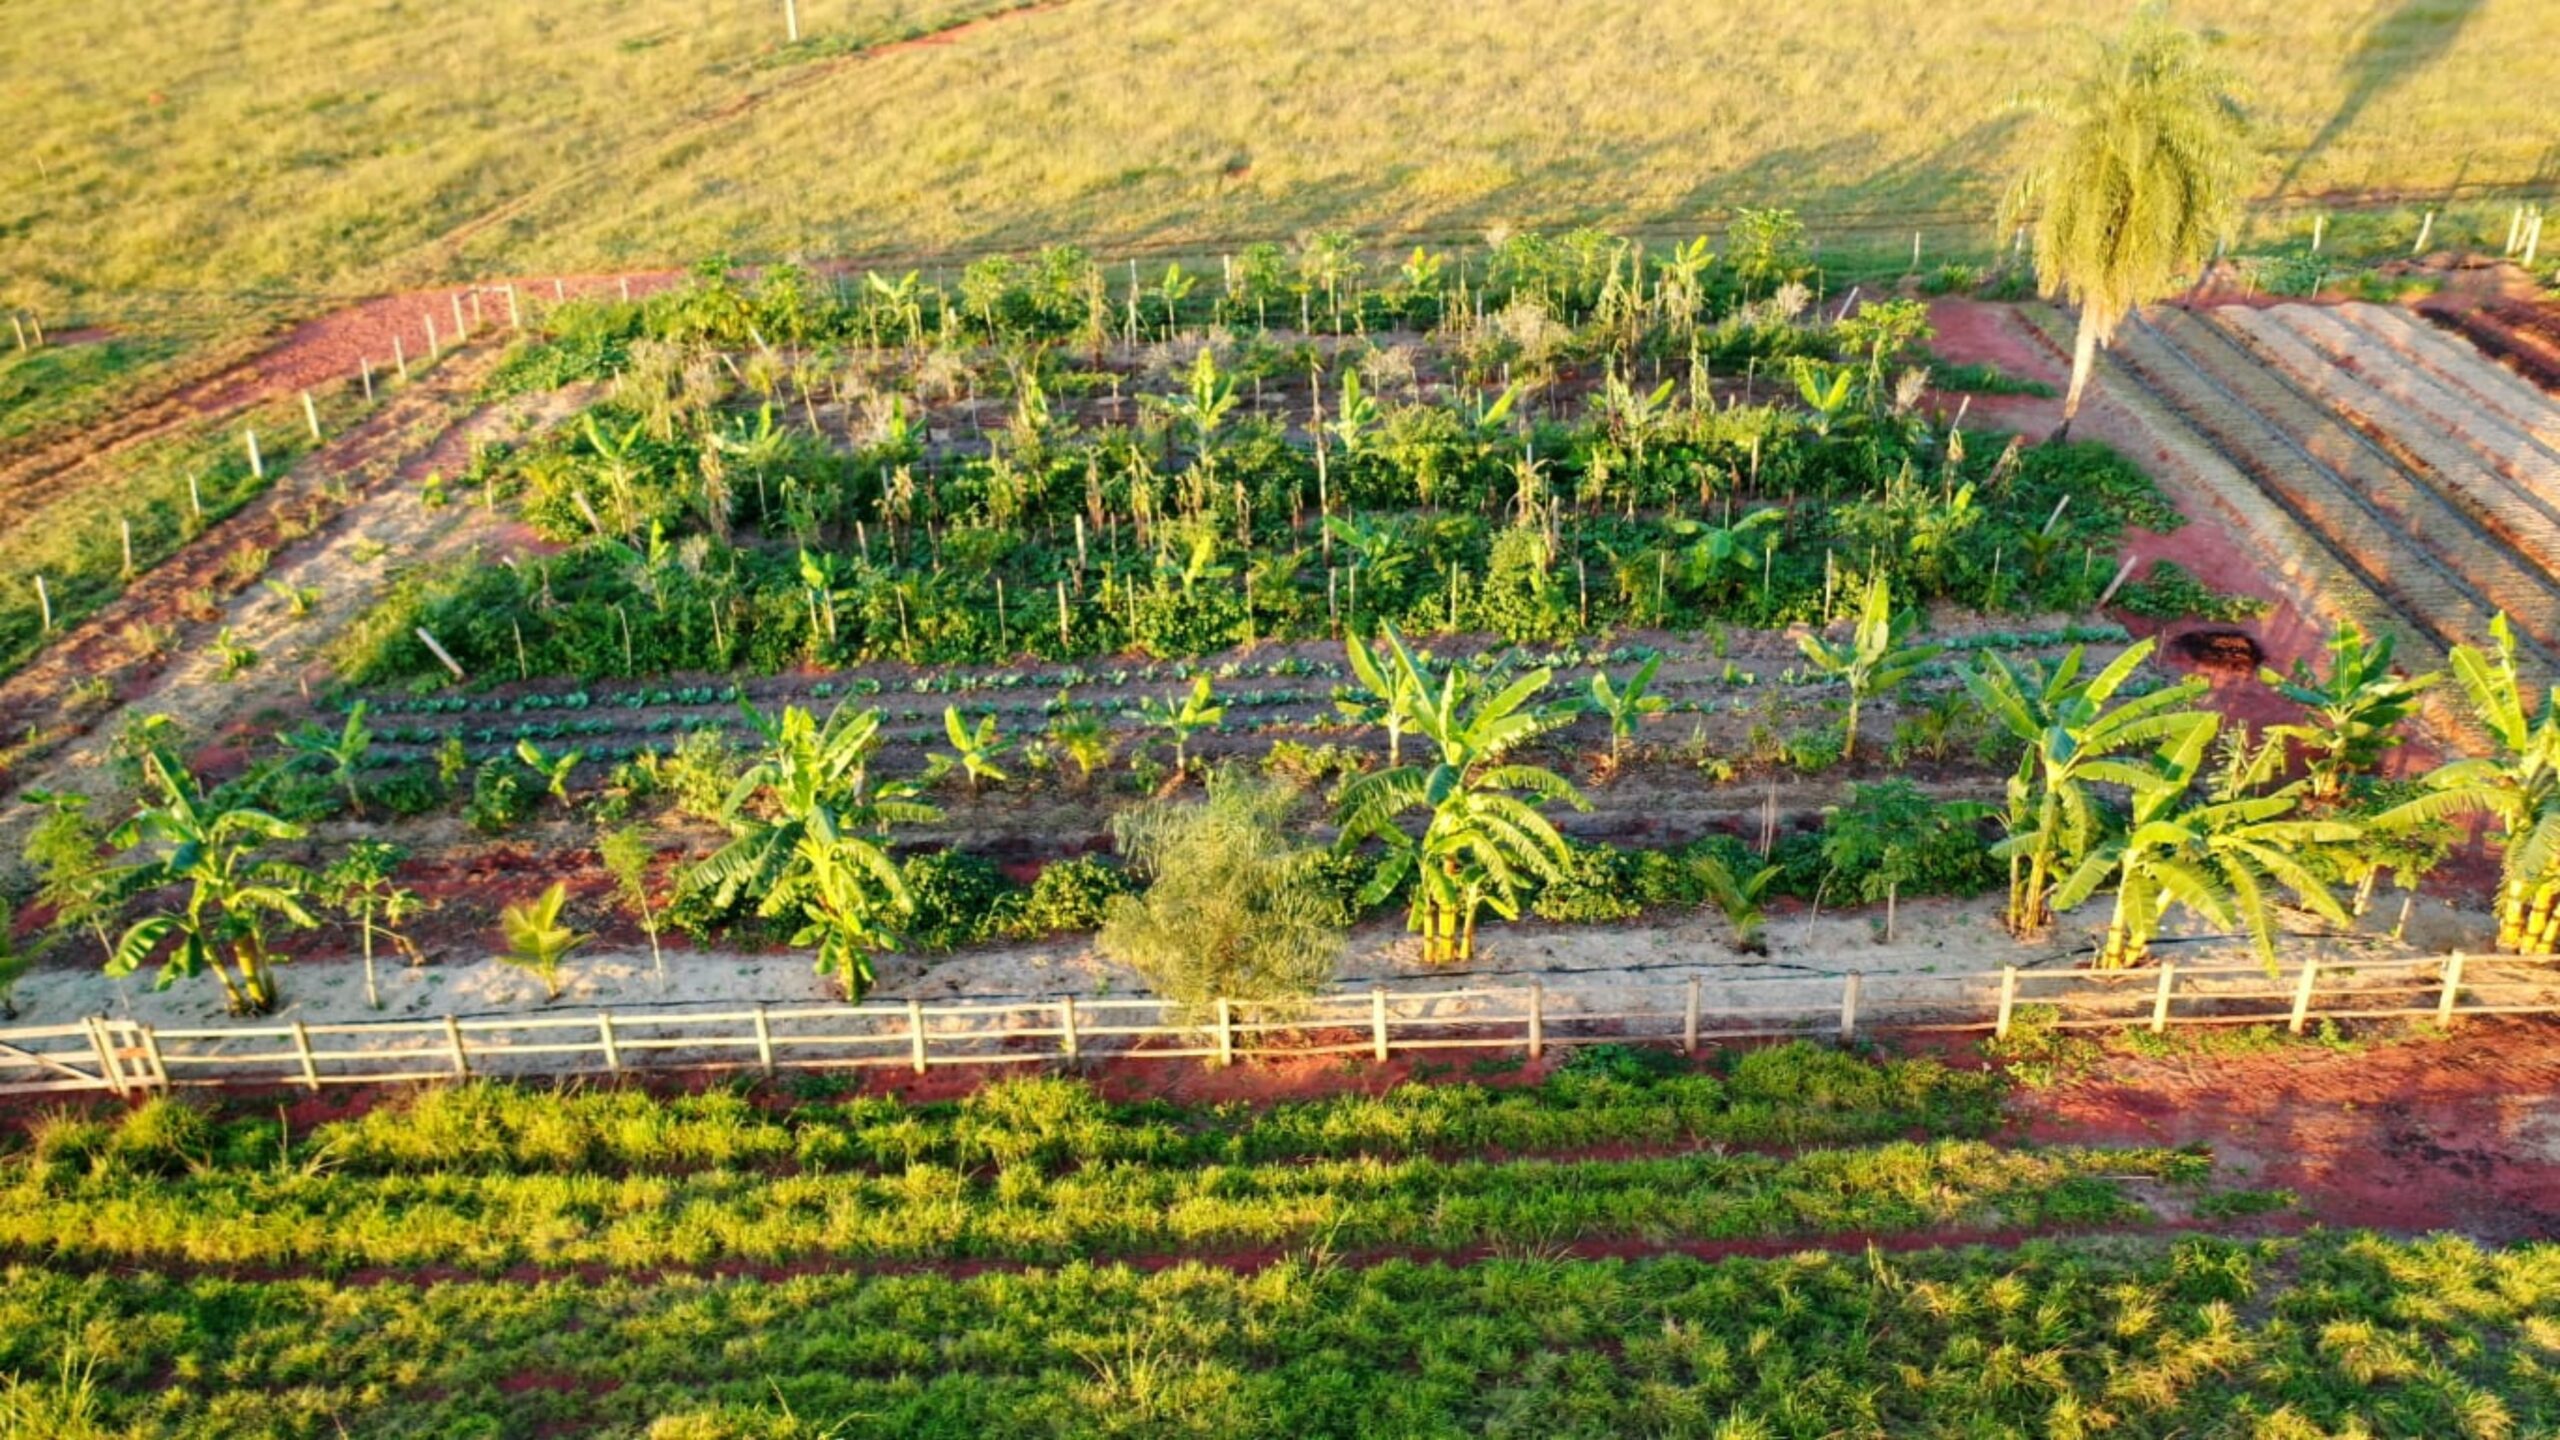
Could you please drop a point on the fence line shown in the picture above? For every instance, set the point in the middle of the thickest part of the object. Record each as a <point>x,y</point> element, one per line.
<point>127,1057</point>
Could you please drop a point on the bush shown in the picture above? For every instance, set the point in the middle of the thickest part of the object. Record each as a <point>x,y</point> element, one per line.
<point>504,794</point>
<point>1233,907</point>
<point>1069,896</point>
<point>958,900</point>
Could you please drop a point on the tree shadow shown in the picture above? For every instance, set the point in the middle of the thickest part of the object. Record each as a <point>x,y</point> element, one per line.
<point>2401,39</point>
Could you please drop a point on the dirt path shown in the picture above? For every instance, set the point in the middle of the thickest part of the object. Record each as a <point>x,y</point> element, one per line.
<point>2460,1134</point>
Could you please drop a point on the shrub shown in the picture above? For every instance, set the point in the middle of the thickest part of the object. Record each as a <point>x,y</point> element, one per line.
<point>504,794</point>
<point>1068,897</point>
<point>1232,907</point>
<point>958,900</point>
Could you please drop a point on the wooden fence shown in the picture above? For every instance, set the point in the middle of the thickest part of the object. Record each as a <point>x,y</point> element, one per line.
<point>127,1057</point>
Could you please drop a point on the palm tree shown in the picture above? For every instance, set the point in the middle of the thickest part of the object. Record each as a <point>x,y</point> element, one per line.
<point>2518,787</point>
<point>232,893</point>
<point>2353,713</point>
<point>2218,856</point>
<point>536,940</point>
<point>1485,833</point>
<point>2072,741</point>
<point>1874,659</point>
<point>343,753</point>
<point>2139,186</point>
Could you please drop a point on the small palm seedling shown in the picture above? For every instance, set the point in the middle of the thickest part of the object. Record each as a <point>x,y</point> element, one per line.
<point>536,940</point>
<point>1874,660</point>
<point>1739,900</point>
<point>342,753</point>
<point>627,856</point>
<point>1625,706</point>
<point>1197,711</point>
<point>974,750</point>
<point>554,770</point>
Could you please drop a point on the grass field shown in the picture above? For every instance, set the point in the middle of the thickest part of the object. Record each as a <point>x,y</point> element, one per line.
<point>230,155</point>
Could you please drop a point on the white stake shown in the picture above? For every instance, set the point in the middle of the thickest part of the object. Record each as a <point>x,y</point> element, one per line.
<point>367,362</point>
<point>626,288</point>
<point>791,19</point>
<point>310,415</point>
<point>127,526</point>
<point>515,315</point>
<point>257,466</point>
<point>195,495</point>
<point>559,292</point>
<point>2426,228</point>
<point>2319,229</point>
<point>44,602</point>
<point>400,358</point>
<point>461,331</point>
<point>432,346</point>
<point>21,327</point>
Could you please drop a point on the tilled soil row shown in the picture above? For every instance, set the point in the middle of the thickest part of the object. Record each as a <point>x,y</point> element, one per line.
<point>2322,474</point>
<point>2439,454</point>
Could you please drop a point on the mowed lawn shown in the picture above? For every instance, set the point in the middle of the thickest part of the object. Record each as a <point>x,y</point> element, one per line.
<point>233,152</point>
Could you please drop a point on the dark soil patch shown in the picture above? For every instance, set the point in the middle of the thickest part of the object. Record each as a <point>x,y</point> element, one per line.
<point>2218,651</point>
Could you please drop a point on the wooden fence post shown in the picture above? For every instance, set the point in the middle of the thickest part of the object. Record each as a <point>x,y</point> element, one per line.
<point>1537,1020</point>
<point>2008,1001</point>
<point>604,1035</point>
<point>453,1043</point>
<point>151,1051</point>
<point>1689,1019</point>
<point>2160,1001</point>
<point>302,1052</point>
<point>1070,1042</point>
<point>2302,994</point>
<point>915,1034</point>
<point>1226,1031</point>
<point>1850,984</point>
<point>1378,1023</point>
<point>2452,990</point>
<point>310,414</point>
<point>108,1070</point>
<point>764,1040</point>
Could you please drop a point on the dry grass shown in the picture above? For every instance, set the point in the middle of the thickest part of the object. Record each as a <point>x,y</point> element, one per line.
<point>231,150</point>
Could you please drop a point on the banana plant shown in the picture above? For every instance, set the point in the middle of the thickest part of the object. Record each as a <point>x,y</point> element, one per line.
<point>2517,786</point>
<point>1680,288</point>
<point>1713,554</point>
<point>2219,855</point>
<point>2072,741</point>
<point>1874,660</point>
<point>806,822</point>
<point>1203,407</point>
<point>343,752</point>
<point>1826,391</point>
<point>554,770</point>
<point>902,298</point>
<point>974,750</point>
<point>536,939</point>
<point>1485,834</point>
<point>1198,710</point>
<point>233,893</point>
<point>1173,289</point>
<point>1625,706</point>
<point>2354,713</point>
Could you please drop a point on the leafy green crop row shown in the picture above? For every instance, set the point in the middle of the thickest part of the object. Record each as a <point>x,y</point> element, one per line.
<point>2325,1336</point>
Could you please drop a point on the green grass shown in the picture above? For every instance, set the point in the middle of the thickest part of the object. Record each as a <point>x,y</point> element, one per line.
<point>2328,1335</point>
<point>487,1177</point>
<point>246,155</point>
<point>58,386</point>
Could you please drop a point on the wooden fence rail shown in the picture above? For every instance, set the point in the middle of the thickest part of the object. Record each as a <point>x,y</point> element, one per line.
<point>129,1057</point>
